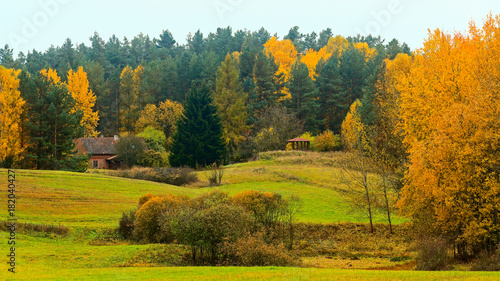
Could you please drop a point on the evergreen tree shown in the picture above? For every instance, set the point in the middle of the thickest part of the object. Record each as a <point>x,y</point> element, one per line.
<point>50,126</point>
<point>296,37</point>
<point>303,101</point>
<point>96,52</point>
<point>265,89</point>
<point>249,50</point>
<point>324,37</point>
<point>199,139</point>
<point>7,57</point>
<point>330,91</point>
<point>373,71</point>
<point>166,40</point>
<point>196,43</point>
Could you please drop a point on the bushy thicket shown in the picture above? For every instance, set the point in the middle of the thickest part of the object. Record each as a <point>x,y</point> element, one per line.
<point>216,226</point>
<point>173,176</point>
<point>432,254</point>
<point>327,141</point>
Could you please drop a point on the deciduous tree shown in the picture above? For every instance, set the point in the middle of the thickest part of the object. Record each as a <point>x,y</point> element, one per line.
<point>11,108</point>
<point>449,110</point>
<point>231,103</point>
<point>78,87</point>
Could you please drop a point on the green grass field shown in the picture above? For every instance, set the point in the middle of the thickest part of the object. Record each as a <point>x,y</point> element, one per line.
<point>91,203</point>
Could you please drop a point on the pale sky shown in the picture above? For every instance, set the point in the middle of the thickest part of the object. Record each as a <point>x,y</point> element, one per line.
<point>37,24</point>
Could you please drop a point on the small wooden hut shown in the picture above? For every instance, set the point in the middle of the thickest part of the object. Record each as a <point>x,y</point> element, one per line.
<point>300,144</point>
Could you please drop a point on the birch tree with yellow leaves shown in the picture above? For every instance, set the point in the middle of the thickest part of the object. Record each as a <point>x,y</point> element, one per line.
<point>11,107</point>
<point>284,54</point>
<point>449,109</point>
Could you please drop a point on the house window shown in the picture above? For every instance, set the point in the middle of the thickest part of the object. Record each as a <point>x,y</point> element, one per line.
<point>95,164</point>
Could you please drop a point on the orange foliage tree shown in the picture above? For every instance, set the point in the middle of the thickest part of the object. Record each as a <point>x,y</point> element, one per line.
<point>449,111</point>
<point>11,107</point>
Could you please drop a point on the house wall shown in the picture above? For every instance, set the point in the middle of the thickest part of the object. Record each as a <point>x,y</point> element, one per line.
<point>101,161</point>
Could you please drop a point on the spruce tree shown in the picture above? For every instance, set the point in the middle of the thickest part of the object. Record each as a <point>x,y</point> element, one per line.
<point>330,93</point>
<point>199,138</point>
<point>303,101</point>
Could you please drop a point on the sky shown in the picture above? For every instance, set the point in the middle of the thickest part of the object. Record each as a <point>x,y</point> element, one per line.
<point>38,24</point>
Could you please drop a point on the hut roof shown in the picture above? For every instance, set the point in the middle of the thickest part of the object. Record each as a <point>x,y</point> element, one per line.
<point>299,140</point>
<point>96,145</point>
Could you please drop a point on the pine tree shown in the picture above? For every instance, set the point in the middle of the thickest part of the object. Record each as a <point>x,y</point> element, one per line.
<point>303,101</point>
<point>265,89</point>
<point>51,125</point>
<point>330,91</point>
<point>199,139</point>
<point>231,103</point>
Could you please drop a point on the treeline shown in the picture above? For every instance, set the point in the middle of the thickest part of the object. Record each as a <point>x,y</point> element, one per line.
<point>126,75</point>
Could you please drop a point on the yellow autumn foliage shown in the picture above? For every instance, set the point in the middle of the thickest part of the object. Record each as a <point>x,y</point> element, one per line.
<point>78,86</point>
<point>312,58</point>
<point>353,131</point>
<point>51,74</point>
<point>11,107</point>
<point>449,115</point>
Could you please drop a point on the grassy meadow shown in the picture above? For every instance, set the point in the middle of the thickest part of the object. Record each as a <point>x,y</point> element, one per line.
<point>90,205</point>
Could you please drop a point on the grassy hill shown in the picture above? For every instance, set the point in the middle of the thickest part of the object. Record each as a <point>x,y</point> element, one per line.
<point>97,200</point>
<point>90,204</point>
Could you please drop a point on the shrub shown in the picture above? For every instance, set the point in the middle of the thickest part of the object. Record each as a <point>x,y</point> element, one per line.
<point>266,207</point>
<point>254,251</point>
<point>32,227</point>
<point>174,176</point>
<point>210,199</point>
<point>154,158</point>
<point>147,225</point>
<point>205,230</point>
<point>145,198</point>
<point>126,226</point>
<point>432,254</point>
<point>487,261</point>
<point>214,174</point>
<point>327,141</point>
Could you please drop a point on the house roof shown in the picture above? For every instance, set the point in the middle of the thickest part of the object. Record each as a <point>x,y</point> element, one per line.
<point>94,146</point>
<point>299,140</point>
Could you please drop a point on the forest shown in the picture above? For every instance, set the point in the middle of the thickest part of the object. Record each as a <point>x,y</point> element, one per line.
<point>428,117</point>
<point>316,77</point>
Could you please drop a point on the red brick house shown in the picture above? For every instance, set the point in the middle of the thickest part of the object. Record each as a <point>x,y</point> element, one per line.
<point>101,151</point>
